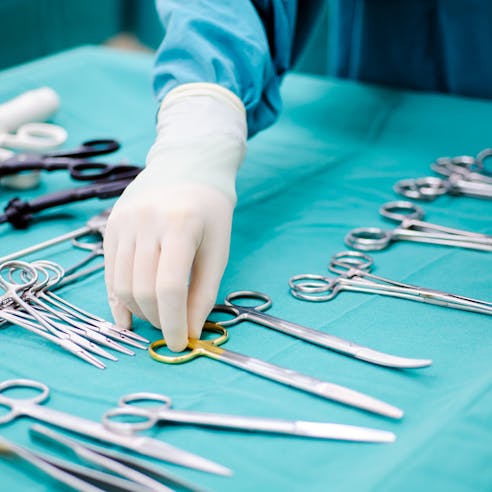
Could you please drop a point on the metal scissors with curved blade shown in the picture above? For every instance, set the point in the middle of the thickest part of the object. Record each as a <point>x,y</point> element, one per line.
<point>411,228</point>
<point>324,389</point>
<point>129,410</point>
<point>256,314</point>
<point>31,407</point>
<point>353,269</point>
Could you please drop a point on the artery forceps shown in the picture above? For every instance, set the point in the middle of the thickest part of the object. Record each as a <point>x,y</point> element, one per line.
<point>411,228</point>
<point>31,407</point>
<point>353,269</point>
<point>150,416</point>
<point>431,187</point>
<point>330,391</point>
<point>468,167</point>
<point>256,314</point>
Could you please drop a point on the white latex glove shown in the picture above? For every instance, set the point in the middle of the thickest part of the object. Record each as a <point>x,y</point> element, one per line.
<point>167,239</point>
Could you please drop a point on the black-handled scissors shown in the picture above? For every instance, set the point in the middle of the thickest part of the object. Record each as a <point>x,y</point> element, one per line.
<point>75,161</point>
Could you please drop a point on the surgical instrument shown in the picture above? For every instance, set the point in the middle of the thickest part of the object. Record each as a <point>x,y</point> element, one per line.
<point>150,416</point>
<point>411,228</point>
<point>353,269</point>
<point>19,213</point>
<point>95,225</point>
<point>94,457</point>
<point>256,314</point>
<point>468,167</point>
<point>43,463</point>
<point>75,161</point>
<point>89,479</point>
<point>31,407</point>
<point>430,187</point>
<point>462,175</point>
<point>140,470</point>
<point>13,294</point>
<point>57,320</point>
<point>211,348</point>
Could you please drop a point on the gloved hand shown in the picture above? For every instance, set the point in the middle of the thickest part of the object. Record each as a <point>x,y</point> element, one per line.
<point>167,239</point>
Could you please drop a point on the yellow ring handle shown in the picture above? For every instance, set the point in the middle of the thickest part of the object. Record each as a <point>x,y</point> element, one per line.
<point>198,347</point>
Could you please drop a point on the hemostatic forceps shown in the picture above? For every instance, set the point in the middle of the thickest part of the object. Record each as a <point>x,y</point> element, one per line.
<point>411,228</point>
<point>353,269</point>
<point>461,175</point>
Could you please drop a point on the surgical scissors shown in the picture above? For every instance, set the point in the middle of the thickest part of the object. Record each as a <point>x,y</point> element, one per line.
<point>211,348</point>
<point>256,314</point>
<point>353,269</point>
<point>31,407</point>
<point>411,228</point>
<point>148,417</point>
<point>74,161</point>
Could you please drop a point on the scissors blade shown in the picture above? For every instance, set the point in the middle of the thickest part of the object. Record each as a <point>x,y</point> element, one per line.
<point>332,342</point>
<point>94,430</point>
<point>309,384</point>
<point>317,430</point>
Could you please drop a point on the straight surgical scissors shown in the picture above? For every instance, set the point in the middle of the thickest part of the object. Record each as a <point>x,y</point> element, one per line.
<point>150,416</point>
<point>256,314</point>
<point>411,228</point>
<point>211,348</point>
<point>353,269</point>
<point>31,407</point>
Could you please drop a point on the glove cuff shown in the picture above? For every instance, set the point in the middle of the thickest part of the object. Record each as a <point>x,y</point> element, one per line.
<point>201,137</point>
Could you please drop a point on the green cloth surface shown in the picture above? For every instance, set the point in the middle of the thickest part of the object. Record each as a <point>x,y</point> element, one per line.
<point>323,169</point>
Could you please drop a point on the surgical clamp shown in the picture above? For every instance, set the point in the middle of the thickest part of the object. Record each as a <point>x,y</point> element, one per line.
<point>411,228</point>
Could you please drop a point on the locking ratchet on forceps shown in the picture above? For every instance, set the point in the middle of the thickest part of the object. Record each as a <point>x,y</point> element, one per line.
<point>256,314</point>
<point>354,274</point>
<point>412,228</point>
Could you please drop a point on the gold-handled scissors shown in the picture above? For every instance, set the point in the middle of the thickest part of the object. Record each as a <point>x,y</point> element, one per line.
<point>211,348</point>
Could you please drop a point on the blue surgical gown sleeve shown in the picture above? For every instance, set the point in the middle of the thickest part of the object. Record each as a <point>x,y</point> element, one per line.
<point>242,45</point>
